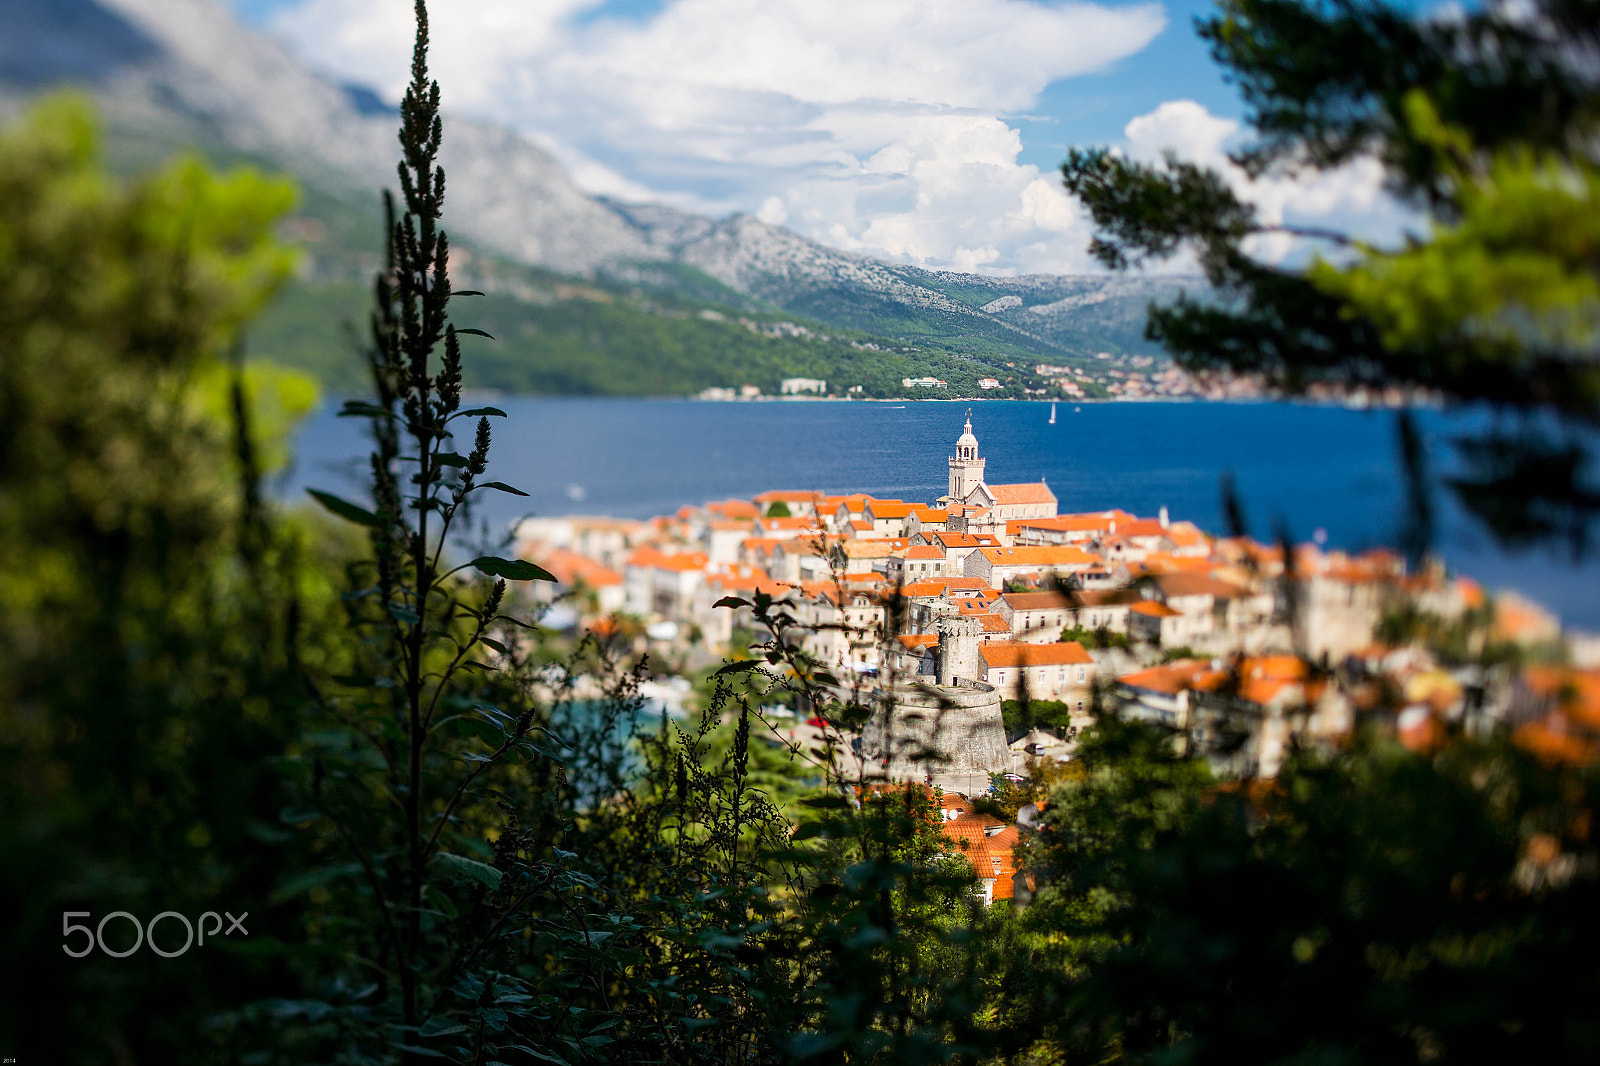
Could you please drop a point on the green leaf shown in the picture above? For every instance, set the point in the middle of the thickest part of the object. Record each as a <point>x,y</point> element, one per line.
<point>465,292</point>
<point>512,569</point>
<point>739,666</point>
<point>502,486</point>
<point>474,332</point>
<point>403,613</point>
<point>441,1027</point>
<point>495,644</point>
<point>480,872</point>
<point>731,601</point>
<point>479,412</point>
<point>450,459</point>
<point>344,508</point>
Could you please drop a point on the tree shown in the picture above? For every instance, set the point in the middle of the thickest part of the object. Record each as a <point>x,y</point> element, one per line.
<point>1485,123</point>
<point>779,509</point>
<point>1371,906</point>
<point>149,618</point>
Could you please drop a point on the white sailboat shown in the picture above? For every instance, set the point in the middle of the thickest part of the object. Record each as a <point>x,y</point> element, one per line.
<point>1052,412</point>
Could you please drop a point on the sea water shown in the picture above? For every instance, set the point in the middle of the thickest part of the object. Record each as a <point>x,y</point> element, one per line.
<point>1322,472</point>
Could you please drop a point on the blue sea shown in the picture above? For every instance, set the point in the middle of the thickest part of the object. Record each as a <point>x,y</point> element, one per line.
<point>1327,473</point>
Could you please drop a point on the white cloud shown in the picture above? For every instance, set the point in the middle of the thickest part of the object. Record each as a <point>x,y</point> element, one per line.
<point>871,124</point>
<point>1349,199</point>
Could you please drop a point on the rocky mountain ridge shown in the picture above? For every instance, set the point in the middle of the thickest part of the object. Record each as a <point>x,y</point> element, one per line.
<point>184,70</point>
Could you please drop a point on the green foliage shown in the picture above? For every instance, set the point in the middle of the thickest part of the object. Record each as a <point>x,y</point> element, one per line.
<point>148,619</point>
<point>779,509</point>
<point>1415,901</point>
<point>457,839</point>
<point>1480,120</point>
<point>1102,636</point>
<point>1053,715</point>
<point>1512,271</point>
<point>605,340</point>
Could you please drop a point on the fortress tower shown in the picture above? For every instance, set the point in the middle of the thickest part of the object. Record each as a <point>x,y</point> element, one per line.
<point>966,469</point>
<point>945,725</point>
<point>958,649</point>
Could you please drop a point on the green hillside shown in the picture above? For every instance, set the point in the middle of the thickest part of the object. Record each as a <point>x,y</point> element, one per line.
<point>650,328</point>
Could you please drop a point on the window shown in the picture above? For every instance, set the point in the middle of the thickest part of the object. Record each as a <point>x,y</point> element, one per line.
<point>1083,674</point>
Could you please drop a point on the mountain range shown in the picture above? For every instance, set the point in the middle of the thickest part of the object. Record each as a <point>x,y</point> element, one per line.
<point>586,294</point>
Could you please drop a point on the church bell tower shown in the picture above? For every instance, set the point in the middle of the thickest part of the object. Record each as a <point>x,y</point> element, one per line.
<point>966,469</point>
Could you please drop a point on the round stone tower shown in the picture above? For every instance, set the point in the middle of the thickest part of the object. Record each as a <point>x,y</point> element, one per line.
<point>947,726</point>
<point>958,650</point>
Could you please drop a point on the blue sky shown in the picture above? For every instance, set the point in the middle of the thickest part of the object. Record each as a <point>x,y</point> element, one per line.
<point>926,131</point>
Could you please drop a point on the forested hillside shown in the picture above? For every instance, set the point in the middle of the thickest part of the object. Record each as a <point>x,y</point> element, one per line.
<point>632,291</point>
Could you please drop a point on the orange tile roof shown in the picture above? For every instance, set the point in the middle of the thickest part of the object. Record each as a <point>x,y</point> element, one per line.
<point>924,551</point>
<point>880,509</point>
<point>570,568</point>
<point>1067,523</point>
<point>918,641</point>
<point>1553,740</point>
<point>1030,492</point>
<point>1068,653</point>
<point>1066,555</point>
<point>1163,562</point>
<point>645,555</point>
<point>1169,678</point>
<point>734,508</point>
<point>1144,527</point>
<point>1154,609</point>
<point>956,540</point>
<point>682,563</point>
<point>939,586</point>
<point>1574,693</point>
<point>930,514</point>
<point>796,522</point>
<point>1184,583</point>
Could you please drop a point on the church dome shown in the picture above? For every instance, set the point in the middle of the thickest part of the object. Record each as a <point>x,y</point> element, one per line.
<point>966,439</point>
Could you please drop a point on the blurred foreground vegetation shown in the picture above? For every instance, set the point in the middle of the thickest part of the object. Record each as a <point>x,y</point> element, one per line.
<point>457,839</point>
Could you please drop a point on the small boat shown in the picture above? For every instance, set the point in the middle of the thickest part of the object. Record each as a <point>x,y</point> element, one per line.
<point>1077,410</point>
<point>1052,412</point>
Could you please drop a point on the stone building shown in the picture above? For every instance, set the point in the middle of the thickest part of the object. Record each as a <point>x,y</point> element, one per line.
<point>943,723</point>
<point>972,499</point>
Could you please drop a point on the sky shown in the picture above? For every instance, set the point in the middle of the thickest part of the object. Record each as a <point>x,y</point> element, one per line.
<point>923,131</point>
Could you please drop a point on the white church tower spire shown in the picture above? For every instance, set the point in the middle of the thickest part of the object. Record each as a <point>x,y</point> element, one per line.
<point>966,469</point>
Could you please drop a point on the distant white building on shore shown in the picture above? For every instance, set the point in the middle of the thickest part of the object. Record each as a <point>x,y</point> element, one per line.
<point>795,386</point>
